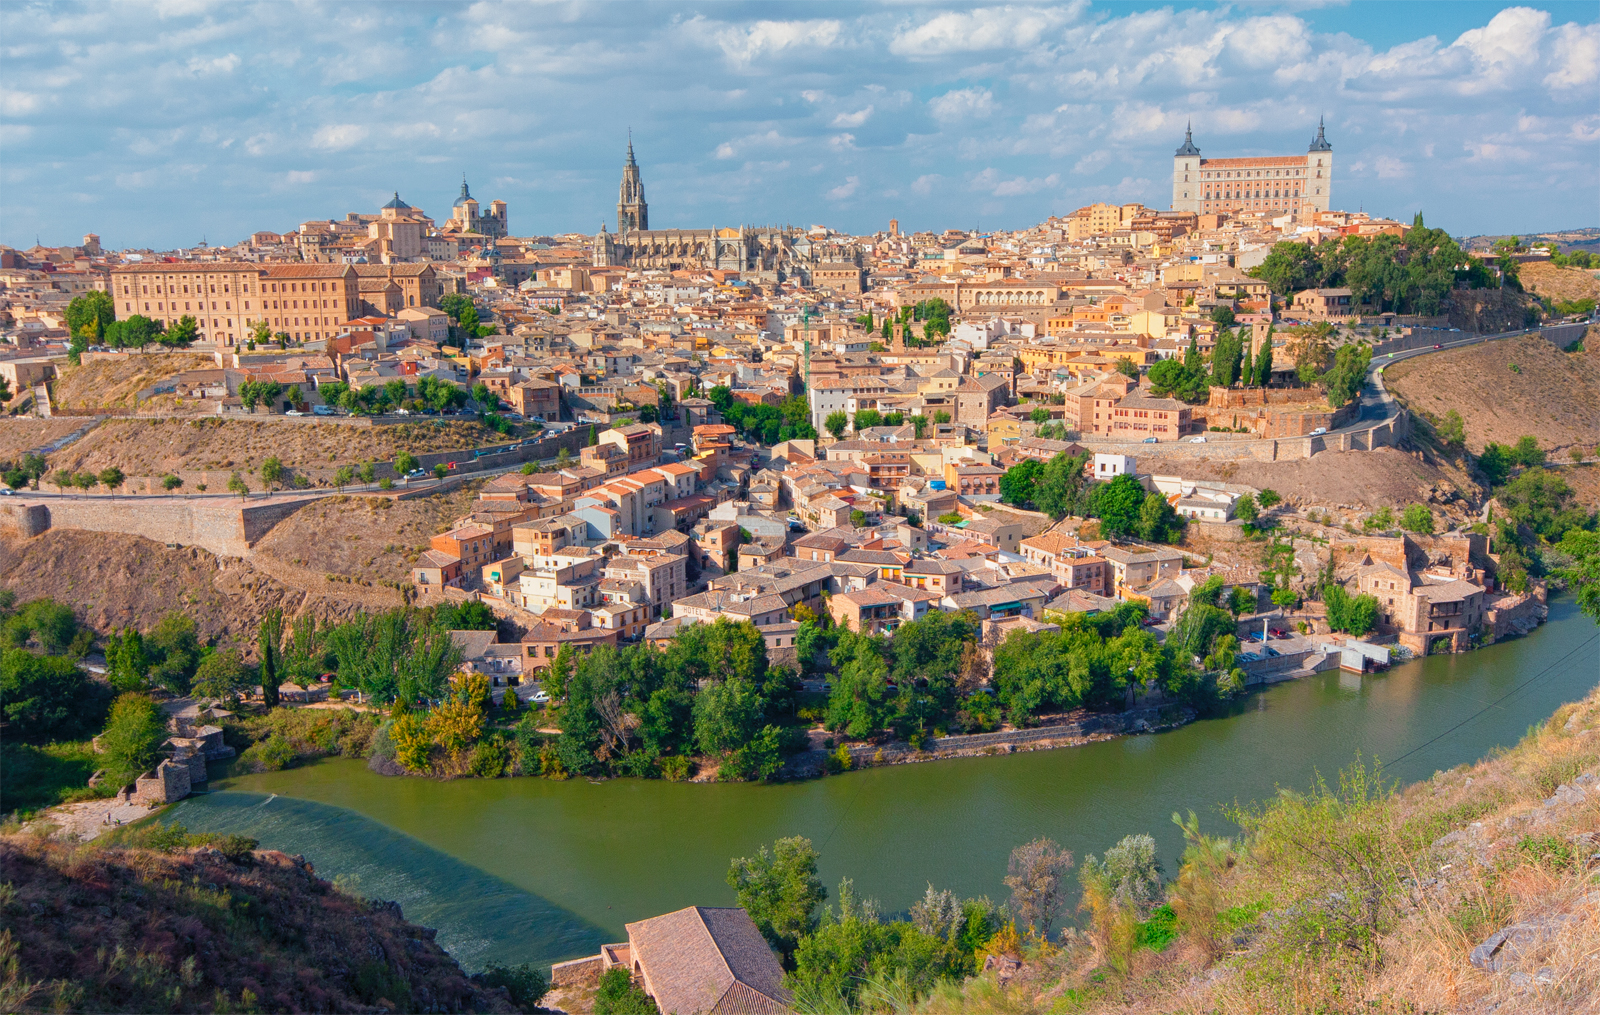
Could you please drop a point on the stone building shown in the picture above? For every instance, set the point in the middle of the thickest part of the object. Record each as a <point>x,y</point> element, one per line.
<point>226,298</point>
<point>465,217</point>
<point>1272,184</point>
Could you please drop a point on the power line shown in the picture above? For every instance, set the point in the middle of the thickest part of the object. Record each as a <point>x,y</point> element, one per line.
<point>1495,702</point>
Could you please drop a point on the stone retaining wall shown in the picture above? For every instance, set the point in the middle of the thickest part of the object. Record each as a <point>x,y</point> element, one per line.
<point>222,527</point>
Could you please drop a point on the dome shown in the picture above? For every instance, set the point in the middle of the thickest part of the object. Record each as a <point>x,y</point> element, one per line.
<point>396,204</point>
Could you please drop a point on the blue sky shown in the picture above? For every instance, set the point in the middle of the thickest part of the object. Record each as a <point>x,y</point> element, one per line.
<point>157,124</point>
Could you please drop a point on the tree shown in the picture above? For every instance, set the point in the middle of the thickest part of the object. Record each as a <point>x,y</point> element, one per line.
<point>1527,452</point>
<point>1349,373</point>
<point>1417,518</point>
<point>941,417</point>
<point>1017,485</point>
<point>1268,498</point>
<point>50,625</point>
<point>1245,509</point>
<point>727,714</point>
<point>127,665</point>
<point>1039,414</point>
<point>343,476</point>
<point>271,472</point>
<point>182,334</point>
<point>269,639</point>
<point>594,438</point>
<point>836,423</point>
<point>866,418</point>
<point>1127,367</point>
<point>111,478</point>
<point>86,481</point>
<point>236,484</point>
<point>45,697</point>
<point>919,423</point>
<point>1495,463</point>
<point>221,675</point>
<point>1158,522</point>
<point>780,890</point>
<point>439,472</point>
<point>170,482</point>
<point>94,311</point>
<point>1222,316</point>
<point>132,739</point>
<point>1034,874</point>
<point>1263,367</point>
<point>1118,503</point>
<point>1355,615</point>
<point>405,463</point>
<point>368,472</point>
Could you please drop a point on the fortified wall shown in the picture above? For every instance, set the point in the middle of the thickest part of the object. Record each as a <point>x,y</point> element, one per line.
<point>224,527</point>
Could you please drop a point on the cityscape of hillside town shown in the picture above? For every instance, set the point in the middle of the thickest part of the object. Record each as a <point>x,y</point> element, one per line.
<point>422,488</point>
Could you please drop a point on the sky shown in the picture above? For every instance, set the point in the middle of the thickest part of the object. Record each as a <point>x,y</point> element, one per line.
<point>161,124</point>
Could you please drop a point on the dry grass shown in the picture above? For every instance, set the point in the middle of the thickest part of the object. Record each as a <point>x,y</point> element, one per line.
<point>21,434</point>
<point>1372,479</point>
<point>1363,899</point>
<point>113,383</point>
<point>372,538</point>
<point>1553,395</point>
<point>155,447</point>
<point>1560,284</point>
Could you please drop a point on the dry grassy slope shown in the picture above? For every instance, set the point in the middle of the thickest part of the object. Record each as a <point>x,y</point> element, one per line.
<point>1371,479</point>
<point>154,447</point>
<point>364,537</point>
<point>110,929</point>
<point>21,434</point>
<point>1512,841</point>
<point>113,383</point>
<point>1555,396</point>
<point>115,580</point>
<point>1560,284</point>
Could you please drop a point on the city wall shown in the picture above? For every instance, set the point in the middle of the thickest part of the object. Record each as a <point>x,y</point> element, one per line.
<point>225,528</point>
<point>1220,446</point>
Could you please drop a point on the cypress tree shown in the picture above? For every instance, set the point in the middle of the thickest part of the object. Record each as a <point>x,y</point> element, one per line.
<point>593,438</point>
<point>1264,360</point>
<point>268,637</point>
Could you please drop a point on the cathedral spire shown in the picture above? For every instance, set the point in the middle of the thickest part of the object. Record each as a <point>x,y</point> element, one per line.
<point>633,214</point>
<point>1188,147</point>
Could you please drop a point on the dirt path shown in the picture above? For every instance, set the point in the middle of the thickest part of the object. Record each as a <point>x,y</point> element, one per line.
<point>88,819</point>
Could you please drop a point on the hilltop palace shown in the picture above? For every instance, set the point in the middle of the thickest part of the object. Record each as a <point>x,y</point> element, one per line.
<point>1301,184</point>
<point>745,248</point>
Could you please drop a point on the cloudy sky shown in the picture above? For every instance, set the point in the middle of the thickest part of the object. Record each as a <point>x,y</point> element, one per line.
<point>157,124</point>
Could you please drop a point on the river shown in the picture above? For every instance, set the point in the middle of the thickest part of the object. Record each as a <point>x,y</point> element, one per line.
<point>529,870</point>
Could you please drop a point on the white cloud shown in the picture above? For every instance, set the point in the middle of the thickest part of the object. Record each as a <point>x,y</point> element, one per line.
<point>201,67</point>
<point>1577,56</point>
<point>923,185</point>
<point>845,189</point>
<point>300,176</point>
<point>338,136</point>
<point>1092,162</point>
<point>962,103</point>
<point>767,38</point>
<point>15,103</point>
<point>988,28</point>
<point>993,181</point>
<point>855,119</point>
<point>1390,168</point>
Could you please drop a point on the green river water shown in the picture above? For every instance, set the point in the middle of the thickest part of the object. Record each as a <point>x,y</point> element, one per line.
<point>528,870</point>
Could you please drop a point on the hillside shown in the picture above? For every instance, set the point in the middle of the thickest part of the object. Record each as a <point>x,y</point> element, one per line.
<point>1473,892</point>
<point>1386,477</point>
<point>155,447</point>
<point>1553,395</point>
<point>112,383</point>
<point>21,434</point>
<point>1560,284</point>
<point>114,929</point>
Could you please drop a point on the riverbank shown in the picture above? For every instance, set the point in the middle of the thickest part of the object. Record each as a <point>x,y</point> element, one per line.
<point>531,870</point>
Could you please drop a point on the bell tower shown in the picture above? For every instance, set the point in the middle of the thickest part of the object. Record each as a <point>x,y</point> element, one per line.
<point>1186,174</point>
<point>633,214</point>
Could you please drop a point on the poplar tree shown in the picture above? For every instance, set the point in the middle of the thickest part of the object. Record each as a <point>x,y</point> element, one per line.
<point>268,637</point>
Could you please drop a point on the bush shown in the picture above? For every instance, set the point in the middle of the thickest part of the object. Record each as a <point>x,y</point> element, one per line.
<point>48,697</point>
<point>132,738</point>
<point>270,755</point>
<point>526,984</point>
<point>618,995</point>
<point>489,758</point>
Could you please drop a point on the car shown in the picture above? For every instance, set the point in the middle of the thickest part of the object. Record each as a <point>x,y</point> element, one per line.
<point>414,473</point>
<point>294,412</point>
<point>1197,440</point>
<point>322,410</point>
<point>540,696</point>
<point>7,493</point>
<point>1438,347</point>
<point>1151,440</point>
<point>402,412</point>
<point>532,419</point>
<point>1319,431</point>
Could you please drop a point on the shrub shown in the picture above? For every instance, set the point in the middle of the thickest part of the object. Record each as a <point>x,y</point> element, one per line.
<point>526,984</point>
<point>270,755</point>
<point>489,758</point>
<point>618,995</point>
<point>674,768</point>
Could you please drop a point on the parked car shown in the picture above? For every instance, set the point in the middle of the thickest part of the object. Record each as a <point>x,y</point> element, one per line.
<point>1319,431</point>
<point>1197,440</point>
<point>1438,347</point>
<point>294,412</point>
<point>6,492</point>
<point>540,696</point>
<point>414,473</point>
<point>1151,440</point>
<point>322,410</point>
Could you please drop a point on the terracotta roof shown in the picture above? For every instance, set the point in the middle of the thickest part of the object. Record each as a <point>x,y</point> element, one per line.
<point>704,959</point>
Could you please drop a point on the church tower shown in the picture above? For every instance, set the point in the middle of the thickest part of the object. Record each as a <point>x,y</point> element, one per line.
<point>1186,174</point>
<point>633,214</point>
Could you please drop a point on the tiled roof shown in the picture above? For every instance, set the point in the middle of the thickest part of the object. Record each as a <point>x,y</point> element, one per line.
<point>703,959</point>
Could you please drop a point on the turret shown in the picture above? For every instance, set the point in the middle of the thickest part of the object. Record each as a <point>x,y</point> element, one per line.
<point>1186,174</point>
